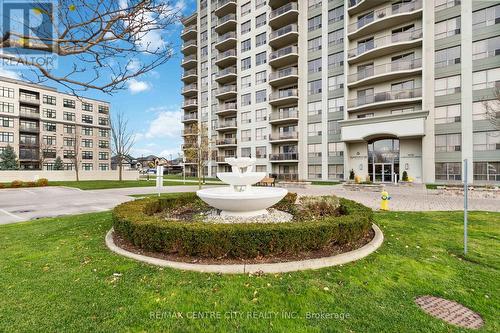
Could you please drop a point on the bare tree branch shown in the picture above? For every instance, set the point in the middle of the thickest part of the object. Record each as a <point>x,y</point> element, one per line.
<point>123,139</point>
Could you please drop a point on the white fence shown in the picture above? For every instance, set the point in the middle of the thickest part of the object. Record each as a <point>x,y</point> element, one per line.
<point>32,175</point>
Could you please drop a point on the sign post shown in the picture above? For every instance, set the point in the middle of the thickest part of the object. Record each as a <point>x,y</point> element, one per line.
<point>159,178</point>
<point>466,205</point>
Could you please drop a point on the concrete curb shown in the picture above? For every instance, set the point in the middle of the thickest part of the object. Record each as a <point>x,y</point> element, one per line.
<point>281,267</point>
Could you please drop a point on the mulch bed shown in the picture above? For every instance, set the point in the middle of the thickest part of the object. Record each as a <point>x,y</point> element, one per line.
<point>327,252</point>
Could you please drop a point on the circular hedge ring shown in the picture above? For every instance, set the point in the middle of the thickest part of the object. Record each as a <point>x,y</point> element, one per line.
<point>140,223</point>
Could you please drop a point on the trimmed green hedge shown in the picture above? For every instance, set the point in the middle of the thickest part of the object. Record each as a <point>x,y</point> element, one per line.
<point>135,221</point>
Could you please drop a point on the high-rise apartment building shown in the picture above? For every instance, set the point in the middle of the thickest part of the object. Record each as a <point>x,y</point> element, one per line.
<point>314,89</point>
<point>42,124</point>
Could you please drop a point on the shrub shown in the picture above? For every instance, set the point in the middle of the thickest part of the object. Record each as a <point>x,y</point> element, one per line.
<point>2,185</point>
<point>30,184</point>
<point>42,182</point>
<point>405,176</point>
<point>16,183</point>
<point>137,222</point>
<point>287,204</point>
<point>313,208</point>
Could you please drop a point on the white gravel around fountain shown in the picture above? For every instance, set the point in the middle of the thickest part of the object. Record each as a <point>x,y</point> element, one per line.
<point>273,216</point>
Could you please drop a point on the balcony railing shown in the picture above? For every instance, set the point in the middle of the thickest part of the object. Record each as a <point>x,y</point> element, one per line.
<point>188,29</point>
<point>400,37</point>
<point>189,43</point>
<point>227,124</point>
<point>226,36</point>
<point>284,94</point>
<point>283,73</point>
<point>226,71</point>
<point>353,3</point>
<point>224,19</point>
<point>189,58</point>
<point>191,116</point>
<point>227,106</point>
<point>395,66</point>
<point>226,89</point>
<point>227,141</point>
<point>385,96</point>
<point>190,102</point>
<point>284,115</point>
<point>32,129</point>
<point>190,72</point>
<point>189,87</point>
<point>283,52</point>
<point>406,7</point>
<point>283,9</point>
<point>283,31</point>
<point>29,114</point>
<point>225,54</point>
<point>222,159</point>
<point>222,3</point>
<point>284,157</point>
<point>284,136</point>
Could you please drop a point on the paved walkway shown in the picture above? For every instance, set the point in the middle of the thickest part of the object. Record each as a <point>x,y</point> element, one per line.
<point>18,205</point>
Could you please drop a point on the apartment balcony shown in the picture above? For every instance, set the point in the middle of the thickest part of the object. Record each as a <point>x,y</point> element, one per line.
<point>189,20</point>
<point>389,16</point>
<point>30,115</point>
<point>31,101</point>
<point>284,97</point>
<point>189,32</point>
<point>189,61</point>
<point>190,90</point>
<point>226,41</point>
<point>190,75</point>
<point>226,75</point>
<point>189,47</point>
<point>385,99</point>
<point>227,109</point>
<point>284,76</point>
<point>227,142</point>
<point>190,104</point>
<point>29,129</point>
<point>225,7</point>
<point>222,159</point>
<point>282,117</point>
<point>228,125</point>
<point>277,3</point>
<point>283,15</point>
<point>226,23</point>
<point>358,6</point>
<point>190,118</point>
<point>284,137</point>
<point>286,56</point>
<point>189,132</point>
<point>287,35</point>
<point>226,58</point>
<point>288,157</point>
<point>226,92</point>
<point>385,45</point>
<point>385,72</point>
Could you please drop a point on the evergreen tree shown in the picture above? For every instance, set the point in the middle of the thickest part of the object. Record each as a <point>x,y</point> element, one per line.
<point>58,164</point>
<point>8,159</point>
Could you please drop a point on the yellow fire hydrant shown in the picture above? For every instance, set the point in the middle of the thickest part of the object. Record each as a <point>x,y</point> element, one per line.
<point>384,204</point>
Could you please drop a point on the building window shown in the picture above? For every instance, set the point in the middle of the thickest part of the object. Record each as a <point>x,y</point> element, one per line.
<point>103,109</point>
<point>246,99</point>
<point>313,4</point>
<point>103,166</point>
<point>6,107</point>
<point>486,48</point>
<point>103,144</point>
<point>260,152</point>
<point>104,133</point>
<point>49,127</point>
<point>335,149</point>
<point>87,166</point>
<point>314,23</point>
<point>260,20</point>
<point>260,77</point>
<point>68,154</point>
<point>103,121</point>
<point>260,96</point>
<point>447,57</point>
<point>336,171</point>
<point>29,140</point>
<point>488,171</point>
<point>447,85</point>
<point>447,28</point>
<point>486,79</point>
<point>487,141</point>
<point>336,104</point>
<point>336,37</point>
<point>260,115</point>
<point>314,150</point>
<point>260,39</point>
<point>260,134</point>
<point>6,122</point>
<point>6,92</point>
<point>87,131</point>
<point>449,171</point>
<point>486,110</point>
<point>246,117</point>
<point>314,129</point>
<point>49,113</point>
<point>69,142</point>
<point>6,137</point>
<point>246,135</point>
<point>69,103</point>
<point>246,8</point>
<point>314,108</point>
<point>49,140</point>
<point>314,171</point>
<point>335,14</point>
<point>47,99</point>
<point>87,155</point>
<point>443,4</point>
<point>486,17</point>
<point>87,107</point>
<point>447,114</point>
<point>314,87</point>
<point>336,60</point>
<point>246,63</point>
<point>246,27</point>
<point>314,44</point>
<point>246,45</point>
<point>246,81</point>
<point>333,127</point>
<point>103,155</point>
<point>314,66</point>
<point>87,143</point>
<point>336,82</point>
<point>69,129</point>
<point>448,143</point>
<point>259,3</point>
<point>260,58</point>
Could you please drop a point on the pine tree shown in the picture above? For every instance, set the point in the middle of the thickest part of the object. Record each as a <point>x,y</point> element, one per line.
<point>8,159</point>
<point>58,164</point>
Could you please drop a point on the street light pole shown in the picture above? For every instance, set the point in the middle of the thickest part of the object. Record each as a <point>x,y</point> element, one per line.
<point>466,205</point>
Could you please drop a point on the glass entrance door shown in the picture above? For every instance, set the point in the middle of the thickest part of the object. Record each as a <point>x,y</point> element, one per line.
<point>383,172</point>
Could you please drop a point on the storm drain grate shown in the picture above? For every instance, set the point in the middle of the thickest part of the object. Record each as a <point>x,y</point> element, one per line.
<point>449,311</point>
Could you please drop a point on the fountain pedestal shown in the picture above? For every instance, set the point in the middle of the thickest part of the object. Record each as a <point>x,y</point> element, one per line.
<point>240,198</point>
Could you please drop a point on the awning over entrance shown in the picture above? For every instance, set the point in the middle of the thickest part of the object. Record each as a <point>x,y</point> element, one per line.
<point>403,125</point>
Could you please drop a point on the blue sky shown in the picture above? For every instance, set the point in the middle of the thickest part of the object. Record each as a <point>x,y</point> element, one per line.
<point>152,102</point>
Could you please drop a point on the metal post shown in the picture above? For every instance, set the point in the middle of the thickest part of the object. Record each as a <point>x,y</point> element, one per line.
<point>466,204</point>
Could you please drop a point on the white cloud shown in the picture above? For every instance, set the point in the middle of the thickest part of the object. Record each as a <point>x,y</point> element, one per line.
<point>135,86</point>
<point>166,124</point>
<point>9,73</point>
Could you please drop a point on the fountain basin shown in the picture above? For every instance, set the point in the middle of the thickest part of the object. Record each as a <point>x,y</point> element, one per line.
<point>240,179</point>
<point>252,202</point>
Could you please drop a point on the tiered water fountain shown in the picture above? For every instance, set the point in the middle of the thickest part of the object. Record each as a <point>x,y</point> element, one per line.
<point>240,198</point>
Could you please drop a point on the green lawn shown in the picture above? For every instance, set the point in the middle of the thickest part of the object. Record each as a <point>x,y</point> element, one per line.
<point>107,184</point>
<point>322,182</point>
<point>58,275</point>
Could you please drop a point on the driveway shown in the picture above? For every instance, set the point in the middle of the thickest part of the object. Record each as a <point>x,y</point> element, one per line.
<point>18,205</point>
